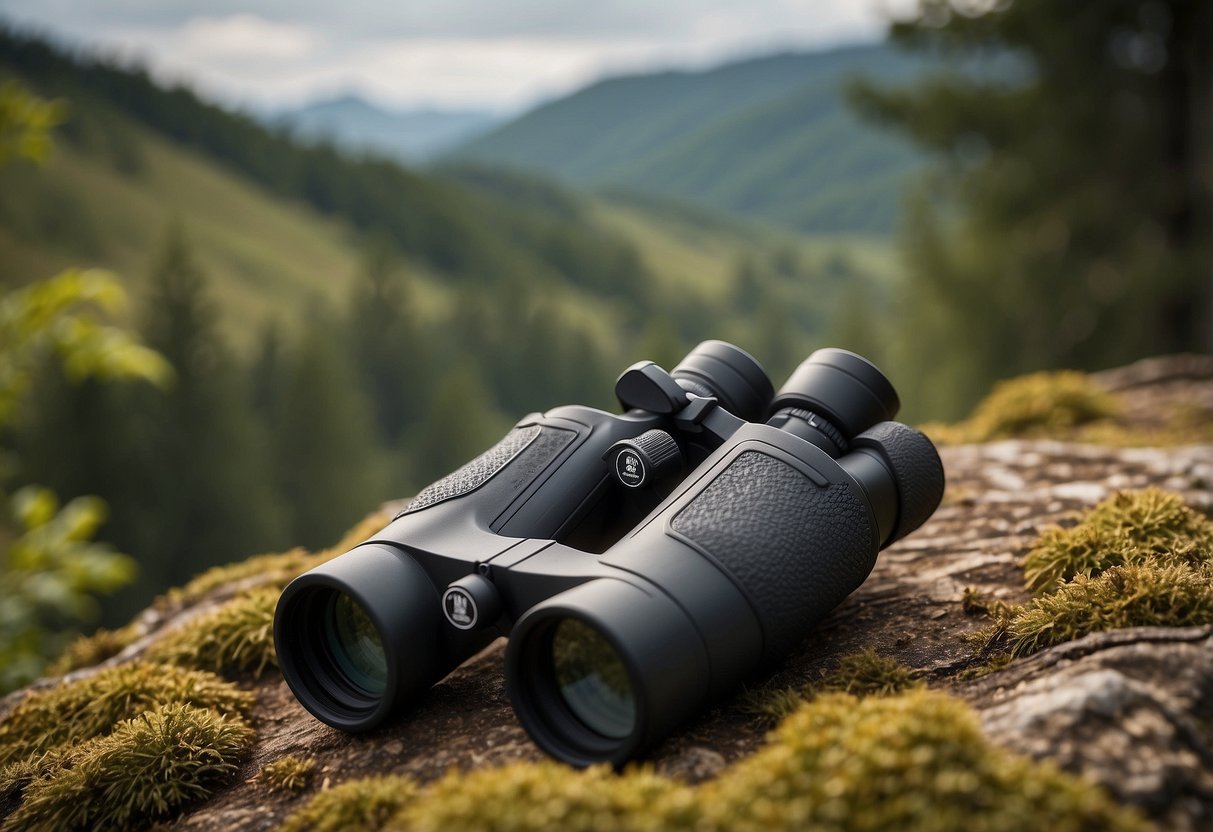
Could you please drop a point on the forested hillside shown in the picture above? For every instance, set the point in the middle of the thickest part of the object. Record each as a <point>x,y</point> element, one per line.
<point>770,138</point>
<point>344,330</point>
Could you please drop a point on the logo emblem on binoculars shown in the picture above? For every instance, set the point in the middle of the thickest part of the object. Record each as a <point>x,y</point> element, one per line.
<point>630,469</point>
<point>460,608</point>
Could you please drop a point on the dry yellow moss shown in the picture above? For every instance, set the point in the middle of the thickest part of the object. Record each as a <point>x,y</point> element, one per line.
<point>78,711</point>
<point>290,774</point>
<point>146,769</point>
<point>235,639</point>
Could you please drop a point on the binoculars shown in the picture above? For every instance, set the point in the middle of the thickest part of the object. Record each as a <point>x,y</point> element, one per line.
<point>642,564</point>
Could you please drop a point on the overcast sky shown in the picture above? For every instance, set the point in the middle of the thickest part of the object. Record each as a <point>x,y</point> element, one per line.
<point>480,54</point>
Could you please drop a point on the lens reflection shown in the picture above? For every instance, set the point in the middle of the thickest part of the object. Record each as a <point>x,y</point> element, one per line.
<point>355,645</point>
<point>593,679</point>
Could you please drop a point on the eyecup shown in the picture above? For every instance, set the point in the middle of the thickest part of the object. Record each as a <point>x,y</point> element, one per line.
<point>844,387</point>
<point>916,468</point>
<point>730,374</point>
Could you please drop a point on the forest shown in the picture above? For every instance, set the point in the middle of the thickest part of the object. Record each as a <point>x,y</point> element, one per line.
<point>1063,221</point>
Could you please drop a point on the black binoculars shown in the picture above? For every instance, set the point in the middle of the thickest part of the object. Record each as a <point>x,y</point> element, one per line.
<point>641,564</point>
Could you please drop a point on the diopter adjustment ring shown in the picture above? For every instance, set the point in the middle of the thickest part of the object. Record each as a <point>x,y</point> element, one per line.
<point>819,422</point>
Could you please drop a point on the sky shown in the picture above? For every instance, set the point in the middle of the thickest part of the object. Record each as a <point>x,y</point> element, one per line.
<point>501,56</point>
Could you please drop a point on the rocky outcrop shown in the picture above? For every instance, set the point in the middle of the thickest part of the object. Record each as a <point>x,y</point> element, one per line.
<point>1131,709</point>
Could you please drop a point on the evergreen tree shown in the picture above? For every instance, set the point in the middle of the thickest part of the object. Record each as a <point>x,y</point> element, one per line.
<point>200,461</point>
<point>329,472</point>
<point>1068,222</point>
<point>463,421</point>
<point>389,349</point>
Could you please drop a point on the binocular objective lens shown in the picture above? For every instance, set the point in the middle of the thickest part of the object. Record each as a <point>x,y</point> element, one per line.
<point>354,644</point>
<point>592,679</point>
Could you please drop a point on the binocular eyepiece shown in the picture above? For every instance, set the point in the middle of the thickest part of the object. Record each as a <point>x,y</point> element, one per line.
<point>642,564</point>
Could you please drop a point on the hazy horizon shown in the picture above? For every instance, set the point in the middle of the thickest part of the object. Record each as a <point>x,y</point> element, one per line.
<point>463,55</point>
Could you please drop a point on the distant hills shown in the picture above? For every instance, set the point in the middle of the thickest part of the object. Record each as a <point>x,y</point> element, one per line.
<point>355,124</point>
<point>769,138</point>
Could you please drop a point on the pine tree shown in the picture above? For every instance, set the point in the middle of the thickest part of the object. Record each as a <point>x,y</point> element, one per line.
<point>329,471</point>
<point>200,460</point>
<point>1068,221</point>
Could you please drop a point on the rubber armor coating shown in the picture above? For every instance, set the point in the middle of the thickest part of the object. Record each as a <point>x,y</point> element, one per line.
<point>530,449</point>
<point>917,470</point>
<point>795,548</point>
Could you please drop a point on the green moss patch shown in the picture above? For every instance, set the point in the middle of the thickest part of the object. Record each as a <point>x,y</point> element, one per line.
<point>368,804</point>
<point>910,761</point>
<point>1128,527</point>
<point>88,651</point>
<point>234,639</point>
<point>1036,405</point>
<point>146,769</point>
<point>1148,594</point>
<point>865,673</point>
<point>917,760</point>
<point>290,774</point>
<point>78,711</point>
<point>551,796</point>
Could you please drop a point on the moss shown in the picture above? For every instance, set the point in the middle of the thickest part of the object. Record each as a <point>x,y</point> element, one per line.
<point>1035,405</point>
<point>911,761</point>
<point>1128,527</point>
<point>234,639</point>
<point>87,651</point>
<point>290,774</point>
<point>146,769</point>
<point>275,569</point>
<point>367,804</point>
<point>1133,595</point>
<point>81,710</point>
<point>915,761</point>
<point>865,673</point>
<point>548,795</point>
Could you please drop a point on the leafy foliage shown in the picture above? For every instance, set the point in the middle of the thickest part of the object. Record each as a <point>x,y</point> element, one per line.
<point>26,122</point>
<point>51,572</point>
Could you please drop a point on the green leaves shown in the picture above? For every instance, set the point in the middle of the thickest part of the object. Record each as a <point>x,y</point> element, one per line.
<point>26,122</point>
<point>68,316</point>
<point>50,570</point>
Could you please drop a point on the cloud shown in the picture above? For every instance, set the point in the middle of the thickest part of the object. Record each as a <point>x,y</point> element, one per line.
<point>245,36</point>
<point>455,53</point>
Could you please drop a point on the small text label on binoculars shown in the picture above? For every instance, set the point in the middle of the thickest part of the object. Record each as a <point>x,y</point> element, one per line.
<point>460,608</point>
<point>630,469</point>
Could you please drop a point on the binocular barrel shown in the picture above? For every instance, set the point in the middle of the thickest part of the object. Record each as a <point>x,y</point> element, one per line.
<point>727,571</point>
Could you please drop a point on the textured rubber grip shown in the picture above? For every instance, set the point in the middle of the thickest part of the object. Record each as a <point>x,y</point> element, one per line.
<point>917,471</point>
<point>526,450</point>
<point>796,548</point>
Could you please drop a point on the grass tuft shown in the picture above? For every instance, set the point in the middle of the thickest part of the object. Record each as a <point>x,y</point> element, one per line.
<point>865,673</point>
<point>235,639</point>
<point>89,651</point>
<point>145,770</point>
<point>367,804</point>
<point>1147,594</point>
<point>288,774</point>
<point>78,711</point>
<point>1128,527</point>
